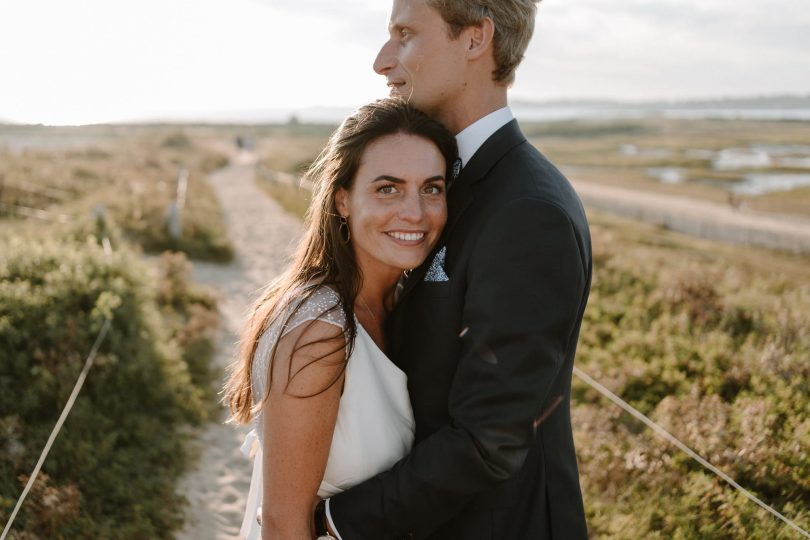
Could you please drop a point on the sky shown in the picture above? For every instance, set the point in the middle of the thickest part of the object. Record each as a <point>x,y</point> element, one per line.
<point>91,61</point>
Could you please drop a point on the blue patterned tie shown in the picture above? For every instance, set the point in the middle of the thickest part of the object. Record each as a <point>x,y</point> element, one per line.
<point>456,168</point>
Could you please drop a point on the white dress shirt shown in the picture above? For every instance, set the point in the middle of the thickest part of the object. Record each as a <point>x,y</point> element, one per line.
<point>474,135</point>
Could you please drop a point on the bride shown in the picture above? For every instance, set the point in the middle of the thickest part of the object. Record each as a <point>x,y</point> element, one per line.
<point>329,409</point>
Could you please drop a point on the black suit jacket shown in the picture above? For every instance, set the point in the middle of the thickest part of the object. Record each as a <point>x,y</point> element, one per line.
<point>487,354</point>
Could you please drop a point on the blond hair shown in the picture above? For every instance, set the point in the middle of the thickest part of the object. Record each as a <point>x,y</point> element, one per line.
<point>514,26</point>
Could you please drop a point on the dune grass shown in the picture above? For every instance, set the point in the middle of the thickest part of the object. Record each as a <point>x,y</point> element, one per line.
<point>132,178</point>
<point>113,469</point>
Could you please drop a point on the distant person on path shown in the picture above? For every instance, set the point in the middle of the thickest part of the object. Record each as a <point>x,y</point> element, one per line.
<point>486,330</point>
<point>329,409</point>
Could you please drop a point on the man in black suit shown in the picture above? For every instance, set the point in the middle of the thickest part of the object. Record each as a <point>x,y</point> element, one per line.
<point>487,328</point>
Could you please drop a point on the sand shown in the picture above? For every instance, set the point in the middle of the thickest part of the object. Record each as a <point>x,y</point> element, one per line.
<point>263,235</point>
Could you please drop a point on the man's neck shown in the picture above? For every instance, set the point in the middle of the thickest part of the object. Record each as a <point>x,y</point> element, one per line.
<point>477,133</point>
<point>472,107</point>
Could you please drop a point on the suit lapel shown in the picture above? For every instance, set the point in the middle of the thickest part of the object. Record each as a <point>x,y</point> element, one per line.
<point>460,194</point>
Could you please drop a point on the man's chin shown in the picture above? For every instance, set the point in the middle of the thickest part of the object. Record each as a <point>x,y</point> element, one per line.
<point>402,92</point>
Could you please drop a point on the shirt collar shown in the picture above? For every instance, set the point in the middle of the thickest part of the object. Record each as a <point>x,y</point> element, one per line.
<point>476,134</point>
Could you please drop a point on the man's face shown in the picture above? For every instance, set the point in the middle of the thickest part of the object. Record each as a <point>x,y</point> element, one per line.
<point>420,60</point>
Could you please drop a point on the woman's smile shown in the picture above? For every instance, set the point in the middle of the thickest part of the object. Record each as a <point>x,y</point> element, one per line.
<point>407,238</point>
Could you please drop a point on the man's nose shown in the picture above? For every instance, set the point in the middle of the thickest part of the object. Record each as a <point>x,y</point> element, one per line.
<point>385,59</point>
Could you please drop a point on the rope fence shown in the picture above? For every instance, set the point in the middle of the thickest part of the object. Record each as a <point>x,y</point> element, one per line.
<point>88,364</point>
<point>688,451</point>
<point>36,213</point>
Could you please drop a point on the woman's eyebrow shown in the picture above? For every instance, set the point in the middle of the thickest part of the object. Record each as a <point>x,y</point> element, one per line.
<point>388,178</point>
<point>435,178</point>
<point>395,180</point>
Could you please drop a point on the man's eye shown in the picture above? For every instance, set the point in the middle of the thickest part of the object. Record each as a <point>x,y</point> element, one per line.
<point>434,190</point>
<point>403,34</point>
<point>388,189</point>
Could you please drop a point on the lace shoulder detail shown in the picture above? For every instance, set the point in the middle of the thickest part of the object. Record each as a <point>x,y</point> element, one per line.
<point>322,305</point>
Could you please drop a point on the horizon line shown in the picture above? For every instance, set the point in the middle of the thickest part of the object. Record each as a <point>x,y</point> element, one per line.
<point>287,114</point>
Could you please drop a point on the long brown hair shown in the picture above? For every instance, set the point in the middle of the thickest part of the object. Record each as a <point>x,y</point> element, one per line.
<point>324,257</point>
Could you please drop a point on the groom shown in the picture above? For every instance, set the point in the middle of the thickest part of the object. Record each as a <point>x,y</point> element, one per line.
<point>487,329</point>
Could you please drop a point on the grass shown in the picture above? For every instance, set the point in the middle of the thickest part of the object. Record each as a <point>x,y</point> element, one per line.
<point>114,468</point>
<point>710,341</point>
<point>129,174</point>
<point>290,154</point>
<point>290,151</point>
<point>294,199</point>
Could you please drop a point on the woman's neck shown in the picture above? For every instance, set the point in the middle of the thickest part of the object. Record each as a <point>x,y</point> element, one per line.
<point>375,299</point>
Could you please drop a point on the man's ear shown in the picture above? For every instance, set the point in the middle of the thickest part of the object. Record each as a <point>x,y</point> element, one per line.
<point>479,38</point>
<point>341,202</point>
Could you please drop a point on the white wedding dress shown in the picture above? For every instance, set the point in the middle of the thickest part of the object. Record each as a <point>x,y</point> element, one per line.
<point>375,423</point>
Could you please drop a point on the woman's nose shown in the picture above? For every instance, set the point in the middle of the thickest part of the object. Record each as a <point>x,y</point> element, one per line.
<point>412,208</point>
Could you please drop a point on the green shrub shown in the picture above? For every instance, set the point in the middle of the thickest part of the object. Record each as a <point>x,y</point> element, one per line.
<point>112,470</point>
<point>716,350</point>
<point>192,318</point>
<point>204,235</point>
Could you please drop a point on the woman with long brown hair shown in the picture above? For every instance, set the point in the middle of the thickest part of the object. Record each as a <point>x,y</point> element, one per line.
<point>328,407</point>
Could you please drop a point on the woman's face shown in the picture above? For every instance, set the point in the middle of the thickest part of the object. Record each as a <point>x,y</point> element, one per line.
<point>396,207</point>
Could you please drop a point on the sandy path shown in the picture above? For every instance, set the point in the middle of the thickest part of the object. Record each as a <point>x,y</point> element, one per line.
<point>262,234</point>
<point>703,219</point>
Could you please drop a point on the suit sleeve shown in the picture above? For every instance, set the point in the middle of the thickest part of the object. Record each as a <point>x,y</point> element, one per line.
<point>526,280</point>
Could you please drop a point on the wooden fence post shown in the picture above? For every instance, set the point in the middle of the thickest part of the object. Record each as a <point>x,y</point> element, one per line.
<point>175,218</point>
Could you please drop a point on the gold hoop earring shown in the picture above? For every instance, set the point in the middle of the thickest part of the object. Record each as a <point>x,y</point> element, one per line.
<point>345,231</point>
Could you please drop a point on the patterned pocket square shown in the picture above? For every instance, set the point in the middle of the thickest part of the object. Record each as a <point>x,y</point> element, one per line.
<point>436,271</point>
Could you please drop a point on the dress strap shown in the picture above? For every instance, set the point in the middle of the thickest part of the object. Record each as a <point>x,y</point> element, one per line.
<point>247,445</point>
<point>250,529</point>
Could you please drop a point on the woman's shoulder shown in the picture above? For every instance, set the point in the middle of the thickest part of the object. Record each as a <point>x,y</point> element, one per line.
<point>314,303</point>
<point>301,305</point>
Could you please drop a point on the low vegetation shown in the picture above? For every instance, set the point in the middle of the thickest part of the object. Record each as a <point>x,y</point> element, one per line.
<point>112,470</point>
<point>288,192</point>
<point>711,342</point>
<point>132,178</point>
<point>73,223</point>
<point>290,152</point>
